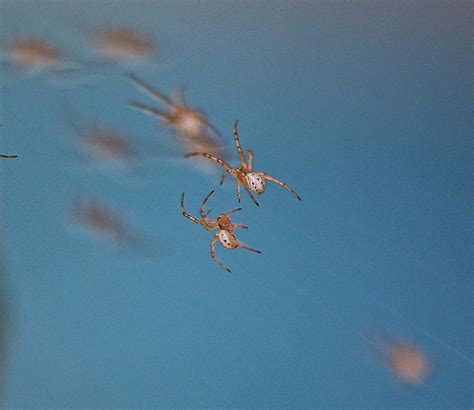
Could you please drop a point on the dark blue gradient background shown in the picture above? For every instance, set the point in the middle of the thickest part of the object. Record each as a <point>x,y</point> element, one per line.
<point>364,107</point>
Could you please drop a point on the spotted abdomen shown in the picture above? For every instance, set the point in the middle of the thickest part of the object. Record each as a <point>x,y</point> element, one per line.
<point>256,183</point>
<point>227,240</point>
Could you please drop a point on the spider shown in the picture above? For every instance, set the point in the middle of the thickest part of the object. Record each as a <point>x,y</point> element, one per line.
<point>244,174</point>
<point>33,53</point>
<point>226,229</point>
<point>403,358</point>
<point>7,155</point>
<point>123,43</point>
<point>189,122</point>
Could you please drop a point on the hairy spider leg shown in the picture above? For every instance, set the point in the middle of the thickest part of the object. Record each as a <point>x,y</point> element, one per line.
<point>250,194</point>
<point>213,253</point>
<point>155,94</point>
<point>241,226</point>
<point>250,160</point>
<point>277,181</point>
<point>237,144</point>
<point>224,176</point>
<point>203,204</point>
<point>186,214</point>
<point>233,211</point>
<point>247,248</point>
<point>211,157</point>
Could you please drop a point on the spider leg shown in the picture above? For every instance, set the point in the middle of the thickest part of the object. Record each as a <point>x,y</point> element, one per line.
<point>238,191</point>
<point>149,110</point>
<point>247,248</point>
<point>213,253</point>
<point>223,176</point>
<point>237,144</point>
<point>277,181</point>
<point>250,160</point>
<point>186,214</point>
<point>8,156</point>
<point>233,211</point>
<point>211,157</point>
<point>241,226</point>
<point>251,195</point>
<point>203,204</point>
<point>179,96</point>
<point>151,91</point>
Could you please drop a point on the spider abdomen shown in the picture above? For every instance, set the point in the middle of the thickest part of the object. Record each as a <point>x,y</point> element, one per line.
<point>227,240</point>
<point>255,182</point>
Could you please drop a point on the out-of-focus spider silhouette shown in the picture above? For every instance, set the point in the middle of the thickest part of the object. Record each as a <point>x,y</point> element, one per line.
<point>33,53</point>
<point>244,174</point>
<point>408,363</point>
<point>7,155</point>
<point>188,122</point>
<point>226,229</point>
<point>123,43</point>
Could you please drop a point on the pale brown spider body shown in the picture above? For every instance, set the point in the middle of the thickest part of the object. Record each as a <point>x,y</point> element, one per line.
<point>244,174</point>
<point>33,53</point>
<point>408,363</point>
<point>102,220</point>
<point>188,122</point>
<point>223,223</point>
<point>123,43</point>
<point>106,143</point>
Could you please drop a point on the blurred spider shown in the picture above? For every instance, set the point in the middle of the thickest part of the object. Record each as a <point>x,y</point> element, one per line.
<point>123,43</point>
<point>188,122</point>
<point>226,229</point>
<point>33,53</point>
<point>7,155</point>
<point>244,174</point>
<point>403,358</point>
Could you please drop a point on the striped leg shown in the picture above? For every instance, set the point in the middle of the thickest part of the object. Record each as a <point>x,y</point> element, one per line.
<point>251,195</point>
<point>224,176</point>
<point>250,160</point>
<point>203,204</point>
<point>213,253</point>
<point>211,157</point>
<point>237,144</point>
<point>186,214</point>
<point>247,248</point>
<point>277,181</point>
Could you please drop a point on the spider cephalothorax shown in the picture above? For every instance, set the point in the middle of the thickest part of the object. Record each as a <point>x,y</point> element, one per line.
<point>251,180</point>
<point>226,228</point>
<point>189,122</point>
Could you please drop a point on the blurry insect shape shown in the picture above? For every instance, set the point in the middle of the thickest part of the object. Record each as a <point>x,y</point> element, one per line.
<point>100,219</point>
<point>34,54</point>
<point>7,155</point>
<point>404,359</point>
<point>123,44</point>
<point>106,144</point>
<point>188,122</point>
<point>226,228</point>
<point>244,174</point>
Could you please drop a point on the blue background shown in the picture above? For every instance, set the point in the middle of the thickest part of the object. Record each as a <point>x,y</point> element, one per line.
<point>364,108</point>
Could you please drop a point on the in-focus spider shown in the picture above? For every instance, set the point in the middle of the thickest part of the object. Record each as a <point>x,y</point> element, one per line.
<point>244,174</point>
<point>226,229</point>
